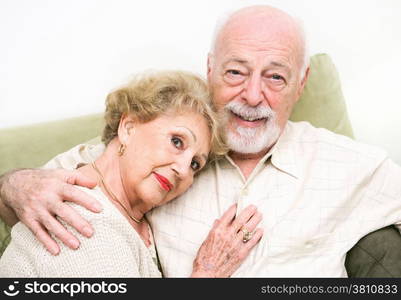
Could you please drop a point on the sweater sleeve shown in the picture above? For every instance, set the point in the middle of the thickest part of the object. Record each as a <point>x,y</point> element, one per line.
<point>107,254</point>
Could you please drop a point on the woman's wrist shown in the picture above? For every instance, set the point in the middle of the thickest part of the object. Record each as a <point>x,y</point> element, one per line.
<point>202,274</point>
<point>203,270</point>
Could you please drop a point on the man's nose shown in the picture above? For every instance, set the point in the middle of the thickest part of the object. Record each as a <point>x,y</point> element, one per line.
<point>252,93</point>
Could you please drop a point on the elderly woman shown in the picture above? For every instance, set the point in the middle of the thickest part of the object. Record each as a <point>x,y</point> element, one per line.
<point>160,131</point>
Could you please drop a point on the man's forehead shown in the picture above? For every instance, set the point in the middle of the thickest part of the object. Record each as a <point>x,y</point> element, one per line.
<point>262,57</point>
<point>258,40</point>
<point>276,52</point>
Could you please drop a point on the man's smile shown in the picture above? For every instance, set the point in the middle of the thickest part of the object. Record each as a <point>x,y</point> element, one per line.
<point>245,121</point>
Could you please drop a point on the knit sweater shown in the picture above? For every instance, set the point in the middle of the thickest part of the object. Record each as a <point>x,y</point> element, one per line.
<point>115,249</point>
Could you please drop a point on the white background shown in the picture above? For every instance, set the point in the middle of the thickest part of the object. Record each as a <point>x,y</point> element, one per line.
<point>60,58</point>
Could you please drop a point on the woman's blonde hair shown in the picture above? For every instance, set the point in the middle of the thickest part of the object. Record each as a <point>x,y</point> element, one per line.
<point>149,95</point>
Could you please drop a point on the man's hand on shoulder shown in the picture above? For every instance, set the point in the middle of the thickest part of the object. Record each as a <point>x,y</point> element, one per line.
<point>36,197</point>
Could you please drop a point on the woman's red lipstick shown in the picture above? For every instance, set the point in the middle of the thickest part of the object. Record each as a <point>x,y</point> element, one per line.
<point>164,182</point>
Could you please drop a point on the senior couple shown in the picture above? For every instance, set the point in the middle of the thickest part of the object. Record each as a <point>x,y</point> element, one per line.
<point>319,192</point>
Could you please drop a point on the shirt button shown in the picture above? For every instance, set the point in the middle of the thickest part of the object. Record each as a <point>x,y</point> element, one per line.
<point>309,244</point>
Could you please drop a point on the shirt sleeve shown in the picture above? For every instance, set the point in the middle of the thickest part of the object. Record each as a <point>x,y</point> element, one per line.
<point>382,198</point>
<point>83,153</point>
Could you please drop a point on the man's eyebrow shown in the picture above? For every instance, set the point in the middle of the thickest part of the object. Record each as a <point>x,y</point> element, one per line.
<point>235,60</point>
<point>280,65</point>
<point>245,62</point>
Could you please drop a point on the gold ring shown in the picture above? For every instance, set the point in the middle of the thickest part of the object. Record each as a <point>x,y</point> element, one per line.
<point>246,235</point>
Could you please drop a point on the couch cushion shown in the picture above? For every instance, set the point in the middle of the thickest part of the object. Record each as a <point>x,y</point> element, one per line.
<point>34,145</point>
<point>4,236</point>
<point>322,102</point>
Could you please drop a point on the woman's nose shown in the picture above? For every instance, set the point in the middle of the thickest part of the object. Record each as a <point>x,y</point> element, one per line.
<point>182,166</point>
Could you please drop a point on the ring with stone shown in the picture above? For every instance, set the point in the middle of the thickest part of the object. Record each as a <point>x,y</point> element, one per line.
<point>246,235</point>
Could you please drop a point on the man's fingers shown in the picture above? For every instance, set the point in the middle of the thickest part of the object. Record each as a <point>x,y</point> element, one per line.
<point>73,194</point>
<point>75,177</point>
<point>54,226</point>
<point>71,217</point>
<point>43,237</point>
<point>40,194</point>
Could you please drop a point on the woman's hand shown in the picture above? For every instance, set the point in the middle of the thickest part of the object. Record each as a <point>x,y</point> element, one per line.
<point>228,243</point>
<point>36,197</point>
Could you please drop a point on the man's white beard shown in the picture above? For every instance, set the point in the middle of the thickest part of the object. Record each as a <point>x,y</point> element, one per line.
<point>251,140</point>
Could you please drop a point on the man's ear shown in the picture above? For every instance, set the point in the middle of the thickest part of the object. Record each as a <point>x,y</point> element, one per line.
<point>125,128</point>
<point>303,83</point>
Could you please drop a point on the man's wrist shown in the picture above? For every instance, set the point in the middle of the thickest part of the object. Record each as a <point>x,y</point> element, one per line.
<point>7,214</point>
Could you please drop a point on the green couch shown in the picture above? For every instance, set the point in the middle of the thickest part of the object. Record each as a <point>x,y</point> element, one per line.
<point>322,104</point>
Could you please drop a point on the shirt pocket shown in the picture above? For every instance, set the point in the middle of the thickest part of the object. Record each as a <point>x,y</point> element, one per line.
<point>289,249</point>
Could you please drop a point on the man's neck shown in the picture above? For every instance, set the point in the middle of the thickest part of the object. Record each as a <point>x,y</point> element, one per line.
<point>247,161</point>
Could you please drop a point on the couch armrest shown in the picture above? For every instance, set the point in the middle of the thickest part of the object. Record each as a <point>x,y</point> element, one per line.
<point>377,254</point>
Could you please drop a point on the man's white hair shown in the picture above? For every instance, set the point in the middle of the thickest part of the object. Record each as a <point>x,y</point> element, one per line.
<point>226,16</point>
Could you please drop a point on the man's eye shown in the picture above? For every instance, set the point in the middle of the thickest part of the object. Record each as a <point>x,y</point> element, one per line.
<point>234,77</point>
<point>277,77</point>
<point>234,72</point>
<point>195,165</point>
<point>177,142</point>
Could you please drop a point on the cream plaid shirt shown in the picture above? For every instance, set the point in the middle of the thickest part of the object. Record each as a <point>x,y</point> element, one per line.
<point>319,194</point>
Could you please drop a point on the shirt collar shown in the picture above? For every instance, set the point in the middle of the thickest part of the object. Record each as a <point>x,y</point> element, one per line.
<point>284,152</point>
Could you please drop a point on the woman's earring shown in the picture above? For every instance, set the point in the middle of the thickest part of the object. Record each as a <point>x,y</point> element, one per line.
<point>121,150</point>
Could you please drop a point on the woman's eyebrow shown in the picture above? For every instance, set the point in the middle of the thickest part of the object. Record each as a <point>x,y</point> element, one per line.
<point>204,156</point>
<point>193,134</point>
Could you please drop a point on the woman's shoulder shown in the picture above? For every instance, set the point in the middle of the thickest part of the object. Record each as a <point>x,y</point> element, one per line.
<point>26,256</point>
<point>102,222</point>
<point>108,215</point>
<point>108,211</point>
<point>109,219</point>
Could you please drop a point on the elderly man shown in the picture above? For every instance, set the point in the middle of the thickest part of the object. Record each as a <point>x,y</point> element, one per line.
<point>319,192</point>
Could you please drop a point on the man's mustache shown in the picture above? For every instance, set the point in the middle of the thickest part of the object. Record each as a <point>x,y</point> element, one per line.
<point>249,112</point>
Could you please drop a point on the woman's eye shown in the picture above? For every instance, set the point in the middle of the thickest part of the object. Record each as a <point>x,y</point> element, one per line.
<point>177,142</point>
<point>195,165</point>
